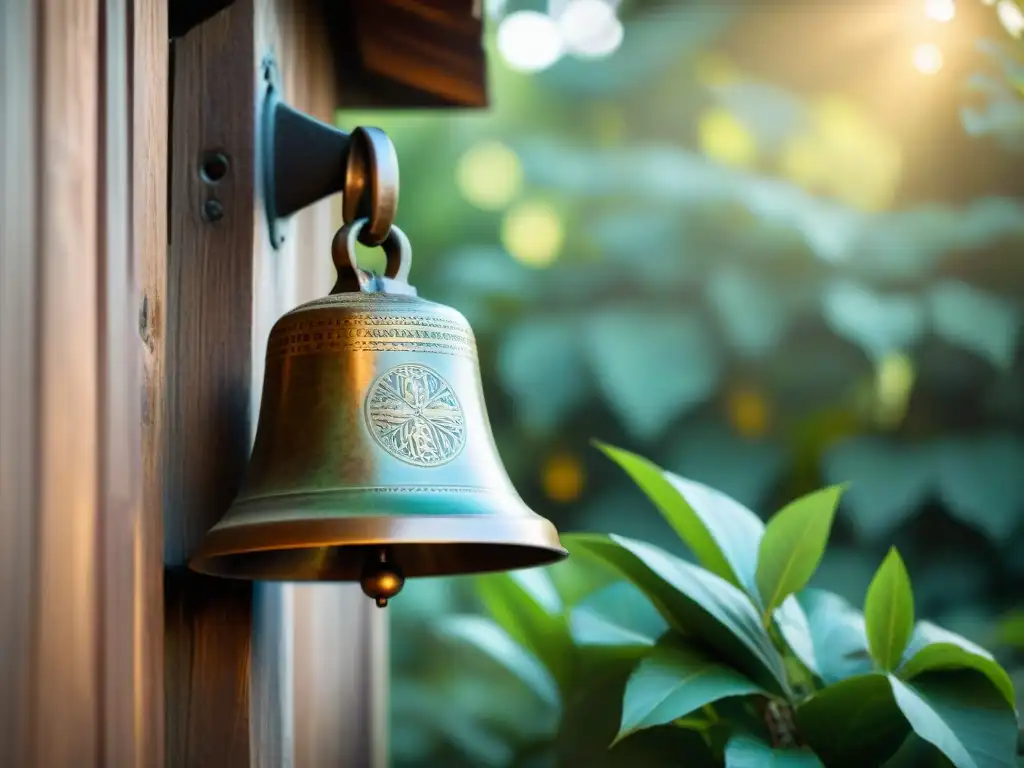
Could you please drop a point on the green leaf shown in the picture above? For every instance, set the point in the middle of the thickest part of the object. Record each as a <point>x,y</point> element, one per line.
<point>590,628</point>
<point>619,614</point>
<point>647,387</point>
<point>926,633</point>
<point>722,534</point>
<point>977,320</point>
<point>1011,629</point>
<point>793,544</point>
<point>963,715</point>
<point>916,753</point>
<point>878,324</point>
<point>495,642</point>
<point>541,364</point>
<point>674,681</point>
<point>853,723</point>
<point>575,578</point>
<point>981,484</point>
<point>745,751</point>
<point>838,635</point>
<point>888,482</point>
<point>795,628</point>
<point>527,606</point>
<point>591,719</point>
<point>889,612</point>
<point>939,656</point>
<point>695,602</point>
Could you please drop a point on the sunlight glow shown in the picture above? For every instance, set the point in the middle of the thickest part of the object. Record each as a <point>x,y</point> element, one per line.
<point>529,41</point>
<point>940,10</point>
<point>802,161</point>
<point>846,154</point>
<point>724,138</point>
<point>1011,17</point>
<point>532,233</point>
<point>489,175</point>
<point>927,58</point>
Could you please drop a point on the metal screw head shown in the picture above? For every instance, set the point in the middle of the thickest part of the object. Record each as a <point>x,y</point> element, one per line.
<point>213,210</point>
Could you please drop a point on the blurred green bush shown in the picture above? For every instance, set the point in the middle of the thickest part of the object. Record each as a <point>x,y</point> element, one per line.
<point>741,258</point>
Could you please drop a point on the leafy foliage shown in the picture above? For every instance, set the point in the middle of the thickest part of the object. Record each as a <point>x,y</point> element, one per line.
<point>889,613</point>
<point>662,657</point>
<point>752,330</point>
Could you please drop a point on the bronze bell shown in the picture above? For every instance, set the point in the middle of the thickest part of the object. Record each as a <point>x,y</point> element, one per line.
<point>374,458</point>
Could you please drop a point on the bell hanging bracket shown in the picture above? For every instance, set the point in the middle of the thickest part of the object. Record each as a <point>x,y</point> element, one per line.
<point>373,459</point>
<point>305,160</point>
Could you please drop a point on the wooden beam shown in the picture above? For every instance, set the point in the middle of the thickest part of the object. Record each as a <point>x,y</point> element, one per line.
<point>130,532</point>
<point>320,652</point>
<point>206,421</point>
<point>242,688</point>
<point>66,571</point>
<point>413,53</point>
<point>19,336</point>
<point>74,651</point>
<point>149,78</point>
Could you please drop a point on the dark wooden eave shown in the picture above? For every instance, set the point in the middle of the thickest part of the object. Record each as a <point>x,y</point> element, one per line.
<point>390,54</point>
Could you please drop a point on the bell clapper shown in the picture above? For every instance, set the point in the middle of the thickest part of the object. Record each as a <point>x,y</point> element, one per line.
<point>381,579</point>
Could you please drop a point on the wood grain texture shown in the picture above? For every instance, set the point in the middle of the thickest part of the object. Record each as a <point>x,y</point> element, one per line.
<point>72,691</point>
<point>209,280</point>
<point>432,46</point>
<point>321,662</point>
<point>148,78</point>
<point>207,671</point>
<point>66,727</point>
<point>206,422</point>
<point>320,652</point>
<point>130,698</point>
<point>241,685</point>
<point>18,360</point>
<point>408,53</point>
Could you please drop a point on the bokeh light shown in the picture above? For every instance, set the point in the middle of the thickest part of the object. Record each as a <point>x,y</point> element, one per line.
<point>802,161</point>
<point>563,478</point>
<point>489,175</point>
<point>532,233</point>
<point>927,58</point>
<point>590,29</point>
<point>894,382</point>
<point>861,163</point>
<point>748,412</point>
<point>1011,17</point>
<point>723,137</point>
<point>529,41</point>
<point>940,10</point>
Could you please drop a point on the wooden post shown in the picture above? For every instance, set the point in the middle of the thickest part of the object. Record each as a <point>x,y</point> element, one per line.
<point>77,642</point>
<point>243,685</point>
<point>104,497</point>
<point>149,142</point>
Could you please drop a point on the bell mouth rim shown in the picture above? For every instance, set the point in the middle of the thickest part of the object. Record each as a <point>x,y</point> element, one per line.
<point>262,551</point>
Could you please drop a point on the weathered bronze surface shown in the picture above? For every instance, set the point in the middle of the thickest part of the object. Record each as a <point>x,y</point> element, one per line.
<point>373,449</point>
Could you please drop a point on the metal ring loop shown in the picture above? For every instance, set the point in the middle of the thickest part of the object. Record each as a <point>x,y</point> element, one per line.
<point>396,246</point>
<point>371,184</point>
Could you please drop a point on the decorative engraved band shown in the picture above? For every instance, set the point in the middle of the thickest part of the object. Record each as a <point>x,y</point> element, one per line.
<point>369,333</point>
